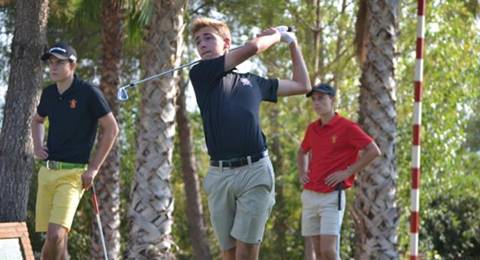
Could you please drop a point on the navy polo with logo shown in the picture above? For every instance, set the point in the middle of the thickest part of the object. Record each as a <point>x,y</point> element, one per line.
<point>73,118</point>
<point>229,103</point>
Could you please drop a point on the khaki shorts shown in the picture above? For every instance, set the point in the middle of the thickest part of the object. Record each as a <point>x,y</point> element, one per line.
<point>58,195</point>
<point>240,201</point>
<point>320,214</point>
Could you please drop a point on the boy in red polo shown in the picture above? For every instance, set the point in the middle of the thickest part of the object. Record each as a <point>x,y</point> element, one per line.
<point>327,161</point>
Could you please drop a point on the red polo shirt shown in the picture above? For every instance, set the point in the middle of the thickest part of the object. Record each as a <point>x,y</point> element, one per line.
<point>333,147</point>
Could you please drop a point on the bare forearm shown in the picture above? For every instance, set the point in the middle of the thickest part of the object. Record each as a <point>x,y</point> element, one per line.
<point>264,42</point>
<point>104,146</point>
<point>300,82</point>
<point>337,177</point>
<point>249,49</point>
<point>372,151</point>
<point>301,163</point>
<point>38,133</point>
<point>300,73</point>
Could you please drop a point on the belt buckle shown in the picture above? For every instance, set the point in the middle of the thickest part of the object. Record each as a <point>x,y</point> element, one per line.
<point>228,164</point>
<point>243,161</point>
<point>53,165</point>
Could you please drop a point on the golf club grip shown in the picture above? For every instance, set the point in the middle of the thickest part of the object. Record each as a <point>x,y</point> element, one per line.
<point>94,202</point>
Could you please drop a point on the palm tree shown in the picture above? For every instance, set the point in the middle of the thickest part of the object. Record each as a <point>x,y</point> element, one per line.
<point>375,212</point>
<point>151,203</point>
<point>108,181</point>
<point>24,85</point>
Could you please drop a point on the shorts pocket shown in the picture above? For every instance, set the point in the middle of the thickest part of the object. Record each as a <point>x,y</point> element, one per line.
<point>208,183</point>
<point>331,199</point>
<point>269,175</point>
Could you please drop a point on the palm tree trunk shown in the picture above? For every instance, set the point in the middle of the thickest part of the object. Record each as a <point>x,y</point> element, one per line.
<point>318,45</point>
<point>108,180</point>
<point>24,85</point>
<point>338,74</point>
<point>196,223</point>
<point>375,212</point>
<point>151,204</point>
<point>280,215</point>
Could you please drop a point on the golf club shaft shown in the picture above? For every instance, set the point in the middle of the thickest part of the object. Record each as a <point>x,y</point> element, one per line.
<point>162,73</point>
<point>99,223</point>
<point>134,83</point>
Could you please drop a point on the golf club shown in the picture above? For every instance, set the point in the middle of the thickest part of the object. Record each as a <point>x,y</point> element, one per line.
<point>122,93</point>
<point>97,214</point>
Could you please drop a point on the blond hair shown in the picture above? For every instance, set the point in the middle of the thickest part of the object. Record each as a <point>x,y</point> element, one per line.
<point>219,26</point>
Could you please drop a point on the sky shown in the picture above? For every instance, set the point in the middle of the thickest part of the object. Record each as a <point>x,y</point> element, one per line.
<point>5,40</point>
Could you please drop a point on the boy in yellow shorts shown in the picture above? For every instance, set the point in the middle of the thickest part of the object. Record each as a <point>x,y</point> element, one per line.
<point>74,109</point>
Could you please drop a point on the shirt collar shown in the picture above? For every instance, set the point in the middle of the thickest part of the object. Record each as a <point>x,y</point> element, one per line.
<point>332,121</point>
<point>73,87</point>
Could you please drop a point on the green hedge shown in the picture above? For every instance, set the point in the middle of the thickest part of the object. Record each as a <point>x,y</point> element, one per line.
<point>452,220</point>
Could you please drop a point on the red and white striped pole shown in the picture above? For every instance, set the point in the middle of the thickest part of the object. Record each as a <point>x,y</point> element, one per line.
<point>417,120</point>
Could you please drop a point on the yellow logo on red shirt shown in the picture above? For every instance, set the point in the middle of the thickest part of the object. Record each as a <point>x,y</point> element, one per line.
<point>73,104</point>
<point>334,139</point>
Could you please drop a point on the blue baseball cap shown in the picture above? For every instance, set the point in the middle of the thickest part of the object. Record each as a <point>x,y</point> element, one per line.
<point>62,51</point>
<point>323,88</point>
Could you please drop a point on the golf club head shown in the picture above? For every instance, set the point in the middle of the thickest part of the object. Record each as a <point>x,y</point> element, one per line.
<point>284,28</point>
<point>122,94</point>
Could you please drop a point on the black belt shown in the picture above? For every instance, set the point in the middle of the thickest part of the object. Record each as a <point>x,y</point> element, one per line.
<point>240,161</point>
<point>339,188</point>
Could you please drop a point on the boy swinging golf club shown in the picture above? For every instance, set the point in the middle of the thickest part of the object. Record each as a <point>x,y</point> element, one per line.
<point>240,181</point>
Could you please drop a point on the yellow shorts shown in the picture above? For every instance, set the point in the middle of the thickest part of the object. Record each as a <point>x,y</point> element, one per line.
<point>59,193</point>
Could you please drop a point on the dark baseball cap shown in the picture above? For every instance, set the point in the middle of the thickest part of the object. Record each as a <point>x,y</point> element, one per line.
<point>323,88</point>
<point>62,51</point>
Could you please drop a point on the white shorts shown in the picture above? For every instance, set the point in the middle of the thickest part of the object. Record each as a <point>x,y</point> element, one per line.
<point>320,213</point>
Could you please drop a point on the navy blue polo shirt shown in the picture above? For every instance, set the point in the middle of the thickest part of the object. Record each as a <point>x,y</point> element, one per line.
<point>229,103</point>
<point>73,118</point>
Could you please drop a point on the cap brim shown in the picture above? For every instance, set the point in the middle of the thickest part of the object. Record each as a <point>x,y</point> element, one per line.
<point>47,55</point>
<point>309,94</point>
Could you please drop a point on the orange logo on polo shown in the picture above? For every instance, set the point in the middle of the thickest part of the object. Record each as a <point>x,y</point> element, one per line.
<point>334,139</point>
<point>73,104</point>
